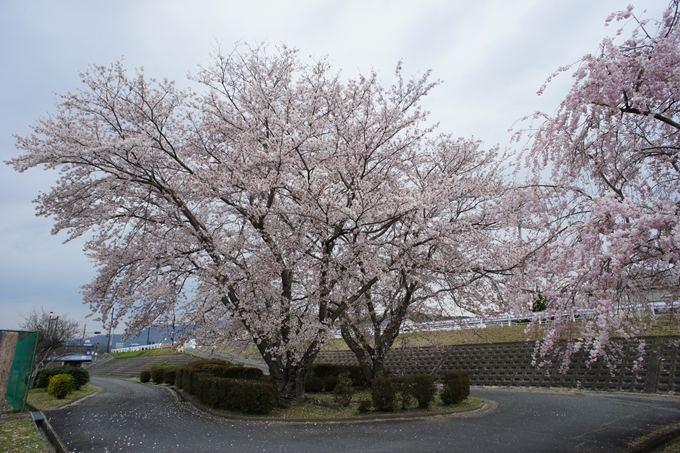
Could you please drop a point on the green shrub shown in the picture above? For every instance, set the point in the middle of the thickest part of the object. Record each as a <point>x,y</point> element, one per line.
<point>158,372</point>
<point>253,396</point>
<point>216,369</point>
<point>240,372</point>
<point>80,376</point>
<point>314,384</point>
<point>383,394</point>
<point>365,406</point>
<point>61,385</point>
<point>184,374</point>
<point>249,396</point>
<point>186,378</point>
<point>402,391</point>
<point>422,388</point>
<point>342,393</point>
<point>329,383</point>
<point>200,364</point>
<point>169,375</point>
<point>456,386</point>
<point>318,384</point>
<point>419,388</point>
<point>145,376</point>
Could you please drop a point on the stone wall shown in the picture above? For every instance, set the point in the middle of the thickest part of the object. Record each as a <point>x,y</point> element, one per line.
<point>509,364</point>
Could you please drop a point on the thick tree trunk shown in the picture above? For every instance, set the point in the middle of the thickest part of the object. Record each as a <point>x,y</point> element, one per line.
<point>371,359</point>
<point>290,377</point>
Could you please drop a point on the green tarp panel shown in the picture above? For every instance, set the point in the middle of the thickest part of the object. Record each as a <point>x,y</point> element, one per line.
<point>22,368</point>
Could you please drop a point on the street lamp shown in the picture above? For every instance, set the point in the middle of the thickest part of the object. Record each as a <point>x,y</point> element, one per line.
<point>49,325</point>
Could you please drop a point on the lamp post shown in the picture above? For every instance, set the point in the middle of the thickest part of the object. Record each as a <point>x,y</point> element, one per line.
<point>50,332</point>
<point>49,326</point>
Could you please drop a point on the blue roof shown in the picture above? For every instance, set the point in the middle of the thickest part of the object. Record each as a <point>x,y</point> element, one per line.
<point>76,358</point>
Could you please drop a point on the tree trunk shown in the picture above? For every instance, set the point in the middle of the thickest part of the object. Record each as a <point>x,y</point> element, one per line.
<point>371,359</point>
<point>290,377</point>
<point>371,354</point>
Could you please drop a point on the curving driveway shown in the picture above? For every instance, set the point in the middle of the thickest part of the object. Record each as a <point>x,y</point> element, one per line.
<point>130,417</point>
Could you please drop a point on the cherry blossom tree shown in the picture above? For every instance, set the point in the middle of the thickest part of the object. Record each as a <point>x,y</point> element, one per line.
<point>453,256</point>
<point>604,190</point>
<point>269,197</point>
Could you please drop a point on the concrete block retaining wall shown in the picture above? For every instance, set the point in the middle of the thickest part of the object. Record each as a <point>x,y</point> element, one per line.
<point>509,364</point>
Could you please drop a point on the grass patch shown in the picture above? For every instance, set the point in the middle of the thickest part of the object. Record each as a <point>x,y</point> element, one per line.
<point>321,406</point>
<point>145,352</point>
<point>18,434</point>
<point>663,326</point>
<point>451,338</point>
<point>645,443</point>
<point>672,448</point>
<point>44,402</point>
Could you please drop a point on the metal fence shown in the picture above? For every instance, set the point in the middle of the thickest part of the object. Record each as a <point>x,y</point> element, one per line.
<point>22,368</point>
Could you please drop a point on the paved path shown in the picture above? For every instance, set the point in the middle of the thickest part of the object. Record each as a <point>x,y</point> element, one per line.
<point>132,417</point>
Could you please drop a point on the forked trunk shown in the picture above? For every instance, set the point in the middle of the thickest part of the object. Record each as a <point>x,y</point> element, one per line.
<point>290,377</point>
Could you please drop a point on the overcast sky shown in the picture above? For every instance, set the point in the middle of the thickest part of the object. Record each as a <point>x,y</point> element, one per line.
<point>492,56</point>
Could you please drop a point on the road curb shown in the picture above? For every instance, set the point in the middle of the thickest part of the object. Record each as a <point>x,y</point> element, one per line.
<point>44,424</point>
<point>655,440</point>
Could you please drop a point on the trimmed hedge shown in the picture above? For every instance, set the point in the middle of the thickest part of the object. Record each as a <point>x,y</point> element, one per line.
<point>216,369</point>
<point>158,372</point>
<point>169,375</point>
<point>241,372</point>
<point>250,393</point>
<point>253,397</point>
<point>80,376</point>
<point>386,392</point>
<point>60,385</point>
<point>199,365</point>
<point>456,386</point>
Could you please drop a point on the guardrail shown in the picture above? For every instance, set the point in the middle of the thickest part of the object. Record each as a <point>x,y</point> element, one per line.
<point>143,347</point>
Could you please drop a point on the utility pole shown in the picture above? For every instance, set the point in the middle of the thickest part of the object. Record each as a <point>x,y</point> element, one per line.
<point>108,346</point>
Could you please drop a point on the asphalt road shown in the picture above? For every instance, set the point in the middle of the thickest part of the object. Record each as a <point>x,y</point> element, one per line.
<point>132,417</point>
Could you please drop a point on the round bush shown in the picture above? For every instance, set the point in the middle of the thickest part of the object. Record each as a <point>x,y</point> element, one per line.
<point>365,406</point>
<point>60,385</point>
<point>342,393</point>
<point>170,375</point>
<point>158,372</point>
<point>314,384</point>
<point>422,388</point>
<point>145,376</point>
<point>383,394</point>
<point>80,376</point>
<point>456,386</point>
